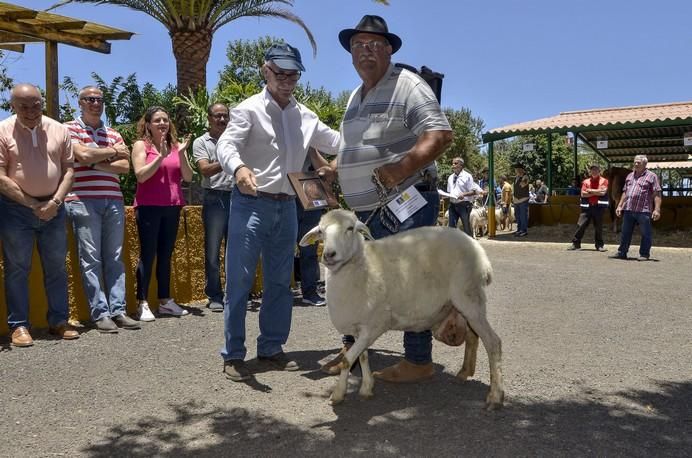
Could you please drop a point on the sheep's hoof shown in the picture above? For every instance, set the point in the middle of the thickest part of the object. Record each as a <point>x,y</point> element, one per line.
<point>366,396</point>
<point>463,376</point>
<point>494,402</point>
<point>344,364</point>
<point>335,400</point>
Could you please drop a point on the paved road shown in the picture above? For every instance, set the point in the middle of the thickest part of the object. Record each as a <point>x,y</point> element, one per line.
<point>597,362</point>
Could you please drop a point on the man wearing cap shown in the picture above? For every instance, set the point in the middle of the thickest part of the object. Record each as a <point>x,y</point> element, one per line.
<point>521,200</point>
<point>392,132</point>
<point>639,204</point>
<point>594,201</point>
<point>267,137</point>
<point>36,172</point>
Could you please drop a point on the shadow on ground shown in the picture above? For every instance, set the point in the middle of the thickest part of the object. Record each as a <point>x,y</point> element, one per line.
<point>413,420</point>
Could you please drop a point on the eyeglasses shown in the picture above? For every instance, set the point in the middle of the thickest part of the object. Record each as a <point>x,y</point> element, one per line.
<point>372,45</point>
<point>93,99</point>
<point>285,76</point>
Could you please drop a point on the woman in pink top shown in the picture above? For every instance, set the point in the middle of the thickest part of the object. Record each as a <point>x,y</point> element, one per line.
<point>160,163</point>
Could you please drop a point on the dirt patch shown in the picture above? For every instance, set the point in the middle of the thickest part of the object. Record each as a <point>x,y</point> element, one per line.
<point>596,363</point>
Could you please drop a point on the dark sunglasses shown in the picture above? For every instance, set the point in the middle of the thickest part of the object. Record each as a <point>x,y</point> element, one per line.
<point>93,99</point>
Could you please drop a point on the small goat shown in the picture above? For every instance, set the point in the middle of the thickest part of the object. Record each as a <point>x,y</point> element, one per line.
<point>409,282</point>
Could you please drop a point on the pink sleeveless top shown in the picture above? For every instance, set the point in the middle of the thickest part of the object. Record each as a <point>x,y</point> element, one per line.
<point>163,188</point>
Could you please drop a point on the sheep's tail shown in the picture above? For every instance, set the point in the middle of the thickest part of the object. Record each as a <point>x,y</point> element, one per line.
<point>483,266</point>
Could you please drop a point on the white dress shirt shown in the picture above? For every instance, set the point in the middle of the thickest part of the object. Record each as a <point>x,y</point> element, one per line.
<point>272,141</point>
<point>458,184</point>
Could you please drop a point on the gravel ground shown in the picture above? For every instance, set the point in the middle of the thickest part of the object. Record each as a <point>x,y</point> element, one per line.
<point>597,362</point>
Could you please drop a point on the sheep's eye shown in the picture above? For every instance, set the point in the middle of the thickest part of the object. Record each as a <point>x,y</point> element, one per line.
<point>349,229</point>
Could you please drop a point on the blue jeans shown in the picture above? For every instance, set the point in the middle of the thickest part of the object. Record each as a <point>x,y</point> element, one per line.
<point>629,219</point>
<point>309,265</point>
<point>417,345</point>
<point>20,229</point>
<point>99,226</point>
<point>215,211</point>
<point>259,225</point>
<point>461,210</point>
<point>522,213</point>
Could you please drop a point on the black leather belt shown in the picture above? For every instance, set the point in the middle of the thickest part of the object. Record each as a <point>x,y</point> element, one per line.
<point>279,196</point>
<point>425,187</point>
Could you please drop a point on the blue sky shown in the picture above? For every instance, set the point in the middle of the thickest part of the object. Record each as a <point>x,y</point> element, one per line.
<point>507,60</point>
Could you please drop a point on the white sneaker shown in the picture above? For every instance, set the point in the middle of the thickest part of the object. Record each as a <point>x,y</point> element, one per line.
<point>171,308</point>
<point>145,312</point>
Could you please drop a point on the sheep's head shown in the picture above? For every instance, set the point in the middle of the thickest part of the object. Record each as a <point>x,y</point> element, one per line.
<point>342,234</point>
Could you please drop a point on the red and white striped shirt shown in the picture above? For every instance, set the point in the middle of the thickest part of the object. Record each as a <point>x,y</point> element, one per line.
<point>90,183</point>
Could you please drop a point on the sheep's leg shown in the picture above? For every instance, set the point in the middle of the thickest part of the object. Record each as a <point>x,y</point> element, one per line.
<point>368,382</point>
<point>363,341</point>
<point>470,350</point>
<point>493,346</point>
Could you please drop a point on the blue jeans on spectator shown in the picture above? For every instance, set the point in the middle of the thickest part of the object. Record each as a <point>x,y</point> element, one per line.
<point>629,219</point>
<point>215,211</point>
<point>461,210</point>
<point>259,225</point>
<point>99,226</point>
<point>522,213</point>
<point>158,230</point>
<point>417,345</point>
<point>309,265</point>
<point>20,229</point>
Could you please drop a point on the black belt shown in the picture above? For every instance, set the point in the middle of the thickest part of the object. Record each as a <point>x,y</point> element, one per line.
<point>278,196</point>
<point>223,192</point>
<point>425,187</point>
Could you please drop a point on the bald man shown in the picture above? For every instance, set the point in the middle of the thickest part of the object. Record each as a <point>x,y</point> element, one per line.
<point>35,175</point>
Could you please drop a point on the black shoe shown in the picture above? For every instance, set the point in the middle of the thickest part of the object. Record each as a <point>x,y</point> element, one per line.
<point>125,322</point>
<point>573,247</point>
<point>617,256</point>
<point>106,326</point>
<point>280,362</point>
<point>601,249</point>
<point>236,370</point>
<point>522,234</point>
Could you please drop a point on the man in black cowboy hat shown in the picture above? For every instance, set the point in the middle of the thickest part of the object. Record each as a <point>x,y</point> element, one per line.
<point>393,129</point>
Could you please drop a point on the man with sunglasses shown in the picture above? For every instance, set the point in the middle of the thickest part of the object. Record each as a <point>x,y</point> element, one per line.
<point>96,208</point>
<point>36,173</point>
<point>267,137</point>
<point>392,132</point>
<point>217,186</point>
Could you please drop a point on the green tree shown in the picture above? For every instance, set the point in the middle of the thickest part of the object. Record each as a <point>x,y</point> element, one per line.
<point>244,60</point>
<point>6,84</point>
<point>191,25</point>
<point>466,144</point>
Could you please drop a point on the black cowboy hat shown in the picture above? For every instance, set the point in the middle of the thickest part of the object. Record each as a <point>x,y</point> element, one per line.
<point>370,24</point>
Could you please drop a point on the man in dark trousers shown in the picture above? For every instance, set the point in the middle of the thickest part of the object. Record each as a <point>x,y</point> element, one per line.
<point>594,201</point>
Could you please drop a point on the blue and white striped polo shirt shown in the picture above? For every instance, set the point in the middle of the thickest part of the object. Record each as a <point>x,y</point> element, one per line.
<point>381,129</point>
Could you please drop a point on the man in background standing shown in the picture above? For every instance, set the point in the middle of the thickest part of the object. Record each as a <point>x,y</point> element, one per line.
<point>95,207</point>
<point>217,186</point>
<point>463,191</point>
<point>36,172</point>
<point>640,203</point>
<point>594,201</point>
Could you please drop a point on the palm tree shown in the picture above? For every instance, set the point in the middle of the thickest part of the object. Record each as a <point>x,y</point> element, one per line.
<point>192,24</point>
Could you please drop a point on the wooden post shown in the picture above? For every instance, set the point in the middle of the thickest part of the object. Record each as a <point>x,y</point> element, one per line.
<point>52,92</point>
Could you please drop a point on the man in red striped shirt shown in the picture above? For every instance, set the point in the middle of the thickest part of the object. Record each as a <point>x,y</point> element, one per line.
<point>95,207</point>
<point>640,203</point>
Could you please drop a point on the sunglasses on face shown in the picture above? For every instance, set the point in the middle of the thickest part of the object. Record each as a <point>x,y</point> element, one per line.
<point>285,76</point>
<point>93,99</point>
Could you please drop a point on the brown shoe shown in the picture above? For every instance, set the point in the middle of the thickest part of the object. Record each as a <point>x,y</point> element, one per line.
<point>21,337</point>
<point>331,367</point>
<point>405,372</point>
<point>65,331</point>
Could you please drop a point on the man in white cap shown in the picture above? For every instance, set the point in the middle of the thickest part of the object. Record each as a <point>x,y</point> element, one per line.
<point>267,137</point>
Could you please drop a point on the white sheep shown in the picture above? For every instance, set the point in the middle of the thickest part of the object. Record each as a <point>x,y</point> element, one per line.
<point>406,282</point>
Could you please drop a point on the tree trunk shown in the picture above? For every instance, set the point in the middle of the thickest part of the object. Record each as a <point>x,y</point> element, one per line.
<point>191,49</point>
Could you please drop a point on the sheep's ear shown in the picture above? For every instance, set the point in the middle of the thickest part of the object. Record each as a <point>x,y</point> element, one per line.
<point>363,229</point>
<point>312,237</point>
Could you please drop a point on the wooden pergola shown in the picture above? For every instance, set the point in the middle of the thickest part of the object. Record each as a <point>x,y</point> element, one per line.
<point>20,26</point>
